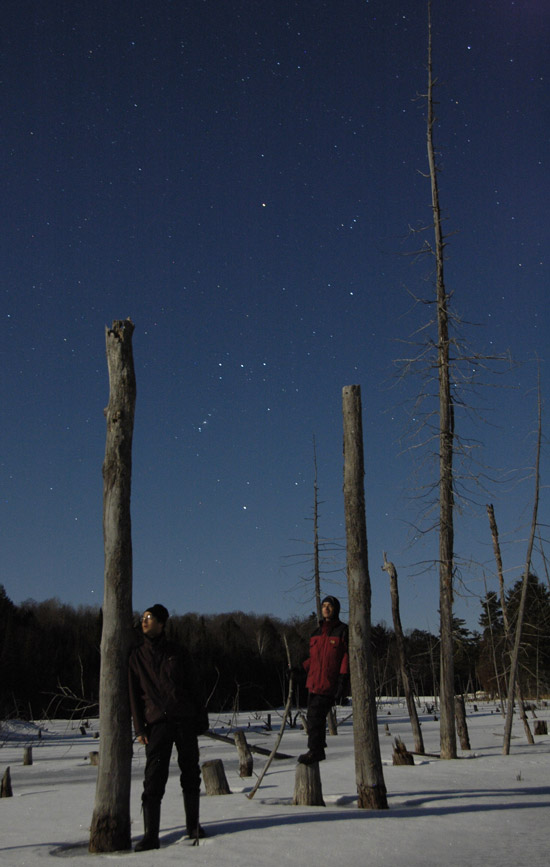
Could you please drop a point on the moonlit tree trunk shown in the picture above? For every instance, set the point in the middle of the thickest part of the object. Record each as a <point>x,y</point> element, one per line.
<point>446,448</point>
<point>110,829</point>
<point>369,776</point>
<point>508,637</point>
<point>403,664</point>
<point>514,661</point>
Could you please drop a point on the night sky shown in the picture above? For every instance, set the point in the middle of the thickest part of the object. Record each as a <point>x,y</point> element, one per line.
<point>239,178</point>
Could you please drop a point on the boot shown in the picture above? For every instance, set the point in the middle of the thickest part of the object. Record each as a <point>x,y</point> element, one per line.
<point>311,757</point>
<point>191,805</point>
<point>151,824</point>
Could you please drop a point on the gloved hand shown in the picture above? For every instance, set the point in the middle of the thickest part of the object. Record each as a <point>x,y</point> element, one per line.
<point>341,689</point>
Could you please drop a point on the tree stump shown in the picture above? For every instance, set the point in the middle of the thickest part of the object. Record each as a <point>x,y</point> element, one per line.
<point>308,791</point>
<point>94,757</point>
<point>461,725</point>
<point>246,762</point>
<point>27,755</point>
<point>541,727</point>
<point>6,790</point>
<point>215,781</point>
<point>401,756</point>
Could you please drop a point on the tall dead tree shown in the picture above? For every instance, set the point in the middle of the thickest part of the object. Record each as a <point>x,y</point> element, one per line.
<point>508,636</point>
<point>446,444</point>
<point>514,660</point>
<point>316,558</point>
<point>369,775</point>
<point>110,829</point>
<point>403,663</point>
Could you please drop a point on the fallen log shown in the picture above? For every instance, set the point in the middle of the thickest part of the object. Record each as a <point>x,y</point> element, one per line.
<point>260,750</point>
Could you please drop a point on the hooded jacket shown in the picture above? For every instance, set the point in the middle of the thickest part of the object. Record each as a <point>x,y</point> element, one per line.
<point>328,657</point>
<point>163,686</point>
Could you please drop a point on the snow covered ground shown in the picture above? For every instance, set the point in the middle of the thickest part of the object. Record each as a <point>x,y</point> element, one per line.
<point>482,809</point>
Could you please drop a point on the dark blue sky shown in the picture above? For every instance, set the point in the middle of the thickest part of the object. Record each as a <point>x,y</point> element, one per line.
<point>239,178</point>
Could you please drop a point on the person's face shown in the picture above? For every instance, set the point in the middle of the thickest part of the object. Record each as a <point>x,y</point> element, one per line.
<point>327,610</point>
<point>150,625</point>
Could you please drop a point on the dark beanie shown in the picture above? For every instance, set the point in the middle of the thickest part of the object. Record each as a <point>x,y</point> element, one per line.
<point>159,612</point>
<point>334,602</point>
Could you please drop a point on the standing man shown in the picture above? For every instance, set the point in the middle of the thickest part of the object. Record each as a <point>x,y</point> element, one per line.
<point>166,710</point>
<point>327,670</point>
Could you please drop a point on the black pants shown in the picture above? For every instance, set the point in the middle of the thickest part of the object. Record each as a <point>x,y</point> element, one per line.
<point>162,736</point>
<point>318,707</point>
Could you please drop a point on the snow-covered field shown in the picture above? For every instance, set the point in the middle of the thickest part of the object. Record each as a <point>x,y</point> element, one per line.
<point>482,809</point>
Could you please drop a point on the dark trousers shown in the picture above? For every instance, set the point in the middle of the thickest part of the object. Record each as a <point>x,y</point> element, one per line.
<point>318,707</point>
<point>162,737</point>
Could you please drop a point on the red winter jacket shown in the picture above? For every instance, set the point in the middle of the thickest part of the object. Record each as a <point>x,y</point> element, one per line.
<point>328,657</point>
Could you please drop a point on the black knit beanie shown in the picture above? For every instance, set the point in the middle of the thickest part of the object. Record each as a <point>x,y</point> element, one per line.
<point>159,612</point>
<point>335,604</point>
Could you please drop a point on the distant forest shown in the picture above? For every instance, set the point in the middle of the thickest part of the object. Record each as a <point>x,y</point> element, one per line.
<point>50,655</point>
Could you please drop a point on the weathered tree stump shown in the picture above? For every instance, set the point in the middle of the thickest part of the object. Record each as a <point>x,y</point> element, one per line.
<point>461,725</point>
<point>246,762</point>
<point>27,755</point>
<point>94,757</point>
<point>308,791</point>
<point>541,727</point>
<point>215,781</point>
<point>6,790</point>
<point>401,756</point>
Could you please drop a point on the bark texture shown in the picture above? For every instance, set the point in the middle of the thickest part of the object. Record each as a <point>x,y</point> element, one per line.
<point>215,781</point>
<point>446,447</point>
<point>308,791</point>
<point>110,829</point>
<point>403,663</point>
<point>368,763</point>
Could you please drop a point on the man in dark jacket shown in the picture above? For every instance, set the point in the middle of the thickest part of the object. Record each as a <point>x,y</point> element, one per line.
<point>166,710</point>
<point>327,670</point>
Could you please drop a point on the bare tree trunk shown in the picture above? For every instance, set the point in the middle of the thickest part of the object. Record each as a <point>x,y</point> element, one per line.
<point>403,664</point>
<point>498,680</point>
<point>369,776</point>
<point>308,790</point>
<point>506,622</point>
<point>110,829</point>
<point>521,610</point>
<point>316,564</point>
<point>461,724</point>
<point>246,761</point>
<point>446,448</point>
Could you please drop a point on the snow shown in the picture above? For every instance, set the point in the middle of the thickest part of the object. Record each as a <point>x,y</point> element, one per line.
<point>482,808</point>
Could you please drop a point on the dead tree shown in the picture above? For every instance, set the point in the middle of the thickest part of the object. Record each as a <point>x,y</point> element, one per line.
<point>369,776</point>
<point>514,660</point>
<point>508,637</point>
<point>461,724</point>
<point>446,444</point>
<point>403,663</point>
<point>308,791</point>
<point>215,781</point>
<point>6,790</point>
<point>401,755</point>
<point>246,761</point>
<point>110,829</point>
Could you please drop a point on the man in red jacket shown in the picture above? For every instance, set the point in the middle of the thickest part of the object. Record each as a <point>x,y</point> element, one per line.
<point>327,670</point>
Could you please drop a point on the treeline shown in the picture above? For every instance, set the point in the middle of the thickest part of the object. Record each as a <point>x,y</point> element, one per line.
<point>50,655</point>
